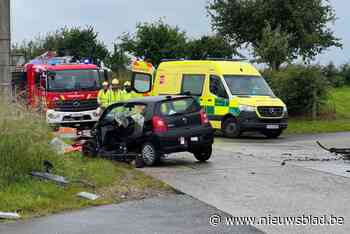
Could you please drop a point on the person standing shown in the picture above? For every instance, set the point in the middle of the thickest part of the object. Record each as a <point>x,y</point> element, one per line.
<point>104,96</point>
<point>116,93</point>
<point>128,93</point>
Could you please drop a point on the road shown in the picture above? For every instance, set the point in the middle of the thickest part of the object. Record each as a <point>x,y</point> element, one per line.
<point>175,214</point>
<point>245,178</point>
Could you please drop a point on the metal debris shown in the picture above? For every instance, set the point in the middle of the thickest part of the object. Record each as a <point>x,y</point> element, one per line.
<point>89,196</point>
<point>60,180</point>
<point>7,215</point>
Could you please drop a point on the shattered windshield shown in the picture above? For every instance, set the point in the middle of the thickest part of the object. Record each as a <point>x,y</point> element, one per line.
<point>248,85</point>
<point>73,80</point>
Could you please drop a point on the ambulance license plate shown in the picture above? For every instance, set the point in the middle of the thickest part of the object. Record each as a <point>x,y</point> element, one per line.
<point>273,127</point>
<point>194,139</point>
<point>182,141</point>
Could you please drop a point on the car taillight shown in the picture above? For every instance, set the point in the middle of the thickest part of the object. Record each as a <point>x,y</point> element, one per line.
<point>204,117</point>
<point>159,125</point>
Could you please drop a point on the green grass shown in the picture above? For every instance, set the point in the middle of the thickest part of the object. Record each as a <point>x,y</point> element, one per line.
<point>24,145</point>
<point>340,98</point>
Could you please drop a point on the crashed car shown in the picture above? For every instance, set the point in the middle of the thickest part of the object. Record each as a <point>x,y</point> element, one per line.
<point>152,127</point>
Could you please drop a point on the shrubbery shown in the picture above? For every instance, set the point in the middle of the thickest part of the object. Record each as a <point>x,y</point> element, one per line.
<point>300,87</point>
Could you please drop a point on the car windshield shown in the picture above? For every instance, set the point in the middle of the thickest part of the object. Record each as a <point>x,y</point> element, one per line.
<point>73,80</point>
<point>179,106</point>
<point>248,85</point>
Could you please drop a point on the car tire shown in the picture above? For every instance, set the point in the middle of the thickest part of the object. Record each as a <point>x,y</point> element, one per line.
<point>231,128</point>
<point>203,155</point>
<point>273,134</point>
<point>89,149</point>
<point>150,155</point>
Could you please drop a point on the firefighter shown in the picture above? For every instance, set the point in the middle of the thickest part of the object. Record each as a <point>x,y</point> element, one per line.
<point>104,96</point>
<point>116,92</point>
<point>128,93</point>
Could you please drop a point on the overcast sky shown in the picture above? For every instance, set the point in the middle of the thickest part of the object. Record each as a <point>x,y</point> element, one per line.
<point>113,17</point>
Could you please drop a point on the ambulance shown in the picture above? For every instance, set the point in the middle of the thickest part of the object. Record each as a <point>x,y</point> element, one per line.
<point>233,93</point>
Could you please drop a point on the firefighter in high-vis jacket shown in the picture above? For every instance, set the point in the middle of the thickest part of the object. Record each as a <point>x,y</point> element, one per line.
<point>104,96</point>
<point>128,93</point>
<point>116,92</point>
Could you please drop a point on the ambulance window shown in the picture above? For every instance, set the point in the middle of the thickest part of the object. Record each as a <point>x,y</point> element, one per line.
<point>216,87</point>
<point>193,84</point>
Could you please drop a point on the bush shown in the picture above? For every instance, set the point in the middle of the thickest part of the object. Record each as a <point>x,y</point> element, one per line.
<point>299,87</point>
<point>24,144</point>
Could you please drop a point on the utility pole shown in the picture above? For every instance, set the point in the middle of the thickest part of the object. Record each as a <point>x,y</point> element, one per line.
<point>5,46</point>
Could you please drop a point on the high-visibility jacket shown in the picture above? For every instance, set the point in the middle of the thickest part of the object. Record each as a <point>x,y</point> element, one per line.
<point>125,96</point>
<point>116,96</point>
<point>104,98</point>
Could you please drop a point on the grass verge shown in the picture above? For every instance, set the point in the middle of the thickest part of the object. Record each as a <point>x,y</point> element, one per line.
<point>340,97</point>
<point>24,145</point>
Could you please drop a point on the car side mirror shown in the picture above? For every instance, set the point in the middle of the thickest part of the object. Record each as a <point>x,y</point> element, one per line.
<point>141,82</point>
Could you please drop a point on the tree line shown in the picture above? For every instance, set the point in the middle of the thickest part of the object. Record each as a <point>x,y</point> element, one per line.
<point>277,32</point>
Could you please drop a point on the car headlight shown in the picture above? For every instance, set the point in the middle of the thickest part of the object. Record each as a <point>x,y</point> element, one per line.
<point>285,109</point>
<point>247,108</point>
<point>53,116</point>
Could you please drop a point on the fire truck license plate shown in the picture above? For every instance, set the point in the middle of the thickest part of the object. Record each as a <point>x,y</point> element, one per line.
<point>76,115</point>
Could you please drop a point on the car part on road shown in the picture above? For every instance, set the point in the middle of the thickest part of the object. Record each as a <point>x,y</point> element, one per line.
<point>345,152</point>
<point>60,180</point>
<point>89,196</point>
<point>7,215</point>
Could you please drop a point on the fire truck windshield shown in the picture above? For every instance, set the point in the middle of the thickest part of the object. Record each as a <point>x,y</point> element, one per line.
<point>73,80</point>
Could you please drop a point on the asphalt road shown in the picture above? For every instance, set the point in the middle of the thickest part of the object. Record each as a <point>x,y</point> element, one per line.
<point>245,178</point>
<point>176,214</point>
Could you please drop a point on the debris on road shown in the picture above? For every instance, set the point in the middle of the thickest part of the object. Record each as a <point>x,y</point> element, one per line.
<point>89,196</point>
<point>7,215</point>
<point>345,152</point>
<point>60,180</point>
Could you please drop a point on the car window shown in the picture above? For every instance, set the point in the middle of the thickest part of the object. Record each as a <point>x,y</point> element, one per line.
<point>193,84</point>
<point>216,87</point>
<point>179,106</point>
<point>125,110</point>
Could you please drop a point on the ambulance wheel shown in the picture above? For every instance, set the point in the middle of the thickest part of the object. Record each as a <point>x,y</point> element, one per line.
<point>150,155</point>
<point>89,149</point>
<point>231,128</point>
<point>203,155</point>
<point>272,134</point>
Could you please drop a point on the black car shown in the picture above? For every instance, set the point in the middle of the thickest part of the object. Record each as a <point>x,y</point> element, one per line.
<point>151,127</point>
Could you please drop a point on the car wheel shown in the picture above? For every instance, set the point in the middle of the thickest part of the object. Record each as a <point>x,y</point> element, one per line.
<point>89,149</point>
<point>273,134</point>
<point>231,128</point>
<point>203,155</point>
<point>149,154</point>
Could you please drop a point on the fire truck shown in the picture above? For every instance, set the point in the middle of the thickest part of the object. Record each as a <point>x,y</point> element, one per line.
<point>62,89</point>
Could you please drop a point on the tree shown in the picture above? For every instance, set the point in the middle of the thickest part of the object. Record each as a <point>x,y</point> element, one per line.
<point>210,47</point>
<point>273,48</point>
<point>118,60</point>
<point>307,23</point>
<point>155,41</point>
<point>78,42</point>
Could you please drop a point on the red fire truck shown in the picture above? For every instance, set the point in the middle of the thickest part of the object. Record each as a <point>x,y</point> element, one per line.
<point>66,92</point>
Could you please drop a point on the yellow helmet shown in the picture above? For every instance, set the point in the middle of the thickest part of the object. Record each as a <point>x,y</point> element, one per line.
<point>115,81</point>
<point>127,83</point>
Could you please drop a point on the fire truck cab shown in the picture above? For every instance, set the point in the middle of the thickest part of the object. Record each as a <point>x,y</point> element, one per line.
<point>66,93</point>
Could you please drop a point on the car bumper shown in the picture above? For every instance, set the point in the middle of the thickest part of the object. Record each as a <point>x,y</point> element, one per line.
<point>183,140</point>
<point>251,122</point>
<point>57,117</point>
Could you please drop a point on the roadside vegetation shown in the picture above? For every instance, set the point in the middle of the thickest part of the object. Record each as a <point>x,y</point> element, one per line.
<point>24,144</point>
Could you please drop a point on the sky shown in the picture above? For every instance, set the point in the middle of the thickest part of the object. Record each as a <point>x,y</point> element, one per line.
<point>111,18</point>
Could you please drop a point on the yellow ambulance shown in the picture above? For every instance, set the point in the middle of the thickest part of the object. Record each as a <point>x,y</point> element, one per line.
<point>235,96</point>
